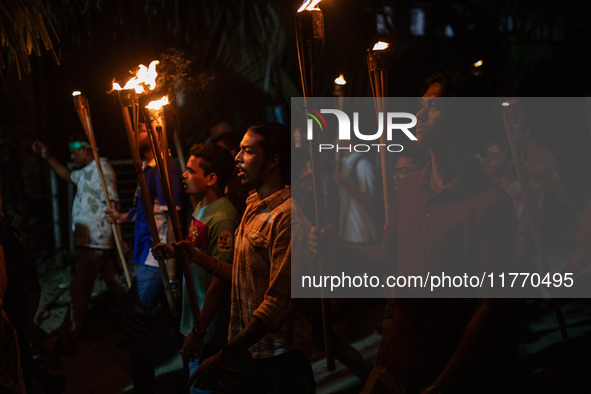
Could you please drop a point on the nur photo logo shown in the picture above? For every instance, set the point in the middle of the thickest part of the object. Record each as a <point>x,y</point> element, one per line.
<point>388,123</point>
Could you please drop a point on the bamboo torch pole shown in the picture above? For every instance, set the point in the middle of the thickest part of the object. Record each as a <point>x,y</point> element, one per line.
<point>160,148</point>
<point>81,105</point>
<point>128,98</point>
<point>508,107</point>
<point>339,93</point>
<point>378,75</point>
<point>310,42</point>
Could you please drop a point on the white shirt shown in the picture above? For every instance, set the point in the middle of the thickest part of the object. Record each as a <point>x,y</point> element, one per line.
<point>90,227</point>
<point>356,223</point>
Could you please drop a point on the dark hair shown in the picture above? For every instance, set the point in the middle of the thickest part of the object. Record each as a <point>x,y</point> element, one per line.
<point>474,120</point>
<point>276,141</point>
<point>143,146</point>
<point>231,140</point>
<point>502,143</point>
<point>214,158</point>
<point>455,83</point>
<point>78,136</point>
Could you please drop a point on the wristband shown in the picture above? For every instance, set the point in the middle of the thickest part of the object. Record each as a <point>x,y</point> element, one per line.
<point>217,267</point>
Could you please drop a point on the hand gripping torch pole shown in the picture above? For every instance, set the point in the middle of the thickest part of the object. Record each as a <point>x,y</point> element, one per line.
<point>160,147</point>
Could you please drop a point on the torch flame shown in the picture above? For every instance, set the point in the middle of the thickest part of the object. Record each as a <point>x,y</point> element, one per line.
<point>76,93</point>
<point>478,63</point>
<point>133,83</point>
<point>380,46</point>
<point>310,5</point>
<point>340,80</point>
<point>144,76</point>
<point>147,76</point>
<point>158,104</point>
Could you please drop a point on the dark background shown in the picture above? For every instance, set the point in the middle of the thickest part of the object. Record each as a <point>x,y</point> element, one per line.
<point>236,60</point>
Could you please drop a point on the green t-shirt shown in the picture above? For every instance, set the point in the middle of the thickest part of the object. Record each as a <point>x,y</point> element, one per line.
<point>211,231</point>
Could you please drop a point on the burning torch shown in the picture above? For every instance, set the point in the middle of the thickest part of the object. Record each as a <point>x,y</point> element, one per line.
<point>339,92</point>
<point>81,105</point>
<point>377,64</point>
<point>310,42</point>
<point>128,99</point>
<point>511,115</point>
<point>159,143</point>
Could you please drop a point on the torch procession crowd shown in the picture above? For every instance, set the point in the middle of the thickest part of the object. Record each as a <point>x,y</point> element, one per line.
<point>224,276</point>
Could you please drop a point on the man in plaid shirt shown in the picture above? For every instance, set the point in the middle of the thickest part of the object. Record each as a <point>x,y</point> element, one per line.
<point>269,339</point>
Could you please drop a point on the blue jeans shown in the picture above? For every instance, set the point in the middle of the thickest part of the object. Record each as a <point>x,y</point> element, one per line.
<point>145,290</point>
<point>148,282</point>
<point>206,352</point>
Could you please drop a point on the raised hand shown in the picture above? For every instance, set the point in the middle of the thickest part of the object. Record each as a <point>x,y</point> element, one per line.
<point>41,149</point>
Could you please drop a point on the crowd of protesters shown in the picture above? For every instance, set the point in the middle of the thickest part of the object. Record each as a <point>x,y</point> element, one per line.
<point>454,200</point>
